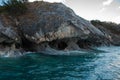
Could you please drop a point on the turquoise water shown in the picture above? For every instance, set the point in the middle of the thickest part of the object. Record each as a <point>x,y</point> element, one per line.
<point>96,65</point>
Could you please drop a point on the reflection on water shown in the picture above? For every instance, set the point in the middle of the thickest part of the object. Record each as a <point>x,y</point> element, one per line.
<point>97,65</point>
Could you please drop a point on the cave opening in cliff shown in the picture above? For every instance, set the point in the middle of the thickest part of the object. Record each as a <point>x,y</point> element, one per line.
<point>83,43</point>
<point>27,45</point>
<point>62,45</point>
<point>59,45</point>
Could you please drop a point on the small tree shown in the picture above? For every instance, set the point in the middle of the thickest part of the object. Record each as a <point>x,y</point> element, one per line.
<point>24,1</point>
<point>14,7</point>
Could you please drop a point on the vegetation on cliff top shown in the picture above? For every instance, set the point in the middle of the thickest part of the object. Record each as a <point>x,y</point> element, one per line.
<point>113,27</point>
<point>13,7</point>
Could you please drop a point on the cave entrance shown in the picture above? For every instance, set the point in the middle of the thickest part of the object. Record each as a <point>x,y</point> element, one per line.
<point>62,45</point>
<point>59,45</point>
<point>83,43</point>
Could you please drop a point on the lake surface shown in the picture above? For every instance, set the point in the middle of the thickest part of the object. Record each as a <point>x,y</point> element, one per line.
<point>101,64</point>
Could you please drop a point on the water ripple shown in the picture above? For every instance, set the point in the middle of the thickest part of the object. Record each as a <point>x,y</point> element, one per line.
<point>96,65</point>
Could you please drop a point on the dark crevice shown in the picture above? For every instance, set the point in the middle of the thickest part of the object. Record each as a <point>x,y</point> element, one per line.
<point>83,43</point>
<point>27,45</point>
<point>62,45</point>
<point>58,44</point>
<point>53,44</point>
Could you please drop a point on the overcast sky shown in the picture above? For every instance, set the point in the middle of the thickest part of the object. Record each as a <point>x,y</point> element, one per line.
<point>105,10</point>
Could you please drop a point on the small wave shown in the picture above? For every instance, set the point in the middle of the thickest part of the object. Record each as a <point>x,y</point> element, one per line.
<point>50,51</point>
<point>110,49</point>
<point>11,53</point>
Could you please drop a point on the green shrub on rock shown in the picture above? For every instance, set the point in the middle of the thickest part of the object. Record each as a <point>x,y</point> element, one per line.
<point>14,7</point>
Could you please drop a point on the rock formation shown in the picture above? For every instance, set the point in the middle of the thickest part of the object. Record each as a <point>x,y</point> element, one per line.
<point>48,26</point>
<point>110,30</point>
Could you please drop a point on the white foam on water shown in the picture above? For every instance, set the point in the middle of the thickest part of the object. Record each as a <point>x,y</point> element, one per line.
<point>110,49</point>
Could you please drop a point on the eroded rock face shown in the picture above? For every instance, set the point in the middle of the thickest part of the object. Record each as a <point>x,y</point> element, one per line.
<point>8,34</point>
<point>8,39</point>
<point>56,21</point>
<point>110,30</point>
<point>50,26</point>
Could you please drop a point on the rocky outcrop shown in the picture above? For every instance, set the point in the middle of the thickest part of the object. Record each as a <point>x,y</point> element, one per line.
<point>49,26</point>
<point>58,24</point>
<point>110,30</point>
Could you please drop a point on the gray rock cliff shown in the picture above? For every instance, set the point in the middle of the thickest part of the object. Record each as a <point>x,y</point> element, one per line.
<point>49,26</point>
